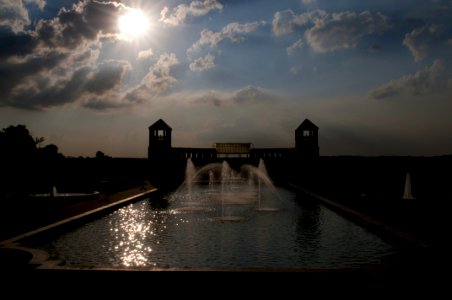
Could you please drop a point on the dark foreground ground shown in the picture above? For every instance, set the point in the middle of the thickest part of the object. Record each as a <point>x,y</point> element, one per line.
<point>370,187</point>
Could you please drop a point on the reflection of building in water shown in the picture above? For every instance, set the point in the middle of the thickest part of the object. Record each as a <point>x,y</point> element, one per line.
<point>306,145</point>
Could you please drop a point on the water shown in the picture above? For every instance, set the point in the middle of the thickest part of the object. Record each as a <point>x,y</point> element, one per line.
<point>218,226</point>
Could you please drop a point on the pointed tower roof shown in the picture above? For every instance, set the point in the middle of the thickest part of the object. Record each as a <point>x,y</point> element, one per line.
<point>160,125</point>
<point>307,125</point>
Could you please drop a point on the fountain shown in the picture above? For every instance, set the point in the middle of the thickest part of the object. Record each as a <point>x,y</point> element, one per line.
<point>54,192</point>
<point>186,234</point>
<point>189,174</point>
<point>217,219</point>
<point>227,188</point>
<point>407,193</point>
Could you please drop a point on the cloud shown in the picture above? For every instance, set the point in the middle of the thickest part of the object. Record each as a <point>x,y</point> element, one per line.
<point>85,22</point>
<point>14,14</point>
<point>15,44</point>
<point>78,27</point>
<point>344,30</point>
<point>285,21</point>
<point>56,62</point>
<point>308,1</point>
<point>245,95</point>
<point>203,63</point>
<point>145,54</point>
<point>39,3</point>
<point>108,76</point>
<point>293,48</point>
<point>182,11</point>
<point>412,84</point>
<point>157,81</point>
<point>48,88</point>
<point>326,32</point>
<point>27,77</point>
<point>252,94</point>
<point>232,31</point>
<point>211,97</point>
<point>417,40</point>
<point>107,102</point>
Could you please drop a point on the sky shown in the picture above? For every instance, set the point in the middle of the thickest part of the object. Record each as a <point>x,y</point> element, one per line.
<point>375,76</point>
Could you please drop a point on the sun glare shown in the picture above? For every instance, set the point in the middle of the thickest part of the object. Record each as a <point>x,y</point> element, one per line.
<point>133,24</point>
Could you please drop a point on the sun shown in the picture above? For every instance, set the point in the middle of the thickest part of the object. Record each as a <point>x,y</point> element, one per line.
<point>133,24</point>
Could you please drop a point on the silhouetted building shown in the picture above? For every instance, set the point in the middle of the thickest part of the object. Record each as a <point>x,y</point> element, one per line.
<point>239,150</point>
<point>159,140</point>
<point>306,145</point>
<point>307,139</point>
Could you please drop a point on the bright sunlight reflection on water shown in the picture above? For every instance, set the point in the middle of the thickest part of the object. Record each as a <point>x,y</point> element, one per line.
<point>211,229</point>
<point>130,231</point>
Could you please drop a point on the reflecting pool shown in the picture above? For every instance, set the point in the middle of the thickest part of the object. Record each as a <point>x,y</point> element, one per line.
<point>213,226</point>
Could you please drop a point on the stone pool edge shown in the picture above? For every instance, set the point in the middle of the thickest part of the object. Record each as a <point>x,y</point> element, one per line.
<point>40,258</point>
<point>392,233</point>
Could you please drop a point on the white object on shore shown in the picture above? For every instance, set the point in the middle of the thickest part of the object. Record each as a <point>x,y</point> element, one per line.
<point>407,194</point>
<point>55,194</point>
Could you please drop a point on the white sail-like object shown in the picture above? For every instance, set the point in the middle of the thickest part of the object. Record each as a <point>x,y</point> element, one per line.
<point>407,194</point>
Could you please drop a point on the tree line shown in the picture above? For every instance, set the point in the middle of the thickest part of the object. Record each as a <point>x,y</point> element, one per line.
<point>28,166</point>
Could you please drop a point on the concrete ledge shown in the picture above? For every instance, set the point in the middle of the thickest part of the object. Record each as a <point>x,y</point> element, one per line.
<point>394,234</point>
<point>39,257</point>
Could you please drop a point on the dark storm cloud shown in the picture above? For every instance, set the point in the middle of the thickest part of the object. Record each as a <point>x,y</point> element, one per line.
<point>53,63</point>
<point>83,84</point>
<point>108,76</point>
<point>38,92</point>
<point>84,22</point>
<point>71,29</point>
<point>15,74</point>
<point>12,44</point>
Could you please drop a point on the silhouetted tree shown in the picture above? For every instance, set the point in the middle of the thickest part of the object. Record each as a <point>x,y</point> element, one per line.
<point>16,143</point>
<point>17,158</point>
<point>39,140</point>
<point>50,165</point>
<point>100,155</point>
<point>49,151</point>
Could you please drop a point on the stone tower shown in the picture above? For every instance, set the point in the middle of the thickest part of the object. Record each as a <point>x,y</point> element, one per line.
<point>159,140</point>
<point>307,139</point>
